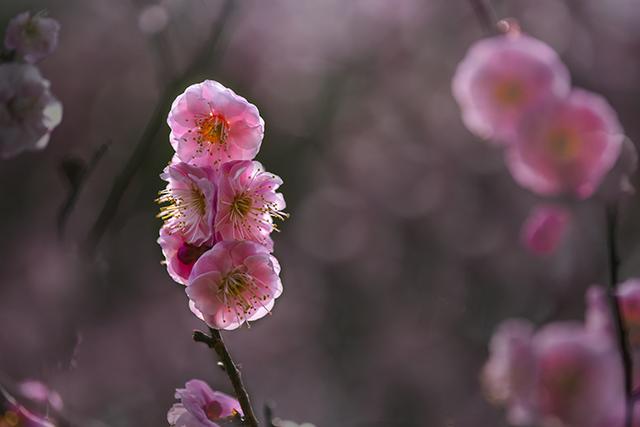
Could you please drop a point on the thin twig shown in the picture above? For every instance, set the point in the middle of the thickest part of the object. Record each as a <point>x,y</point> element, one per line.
<point>485,13</point>
<point>153,126</point>
<point>621,330</point>
<point>216,343</point>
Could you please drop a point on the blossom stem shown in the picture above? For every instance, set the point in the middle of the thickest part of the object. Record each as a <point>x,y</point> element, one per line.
<point>485,13</point>
<point>216,343</point>
<point>623,341</point>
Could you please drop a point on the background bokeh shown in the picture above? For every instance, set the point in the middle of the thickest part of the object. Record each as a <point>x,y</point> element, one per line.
<point>402,252</point>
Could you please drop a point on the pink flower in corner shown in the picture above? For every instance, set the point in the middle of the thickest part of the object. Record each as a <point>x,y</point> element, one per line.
<point>200,406</point>
<point>503,77</point>
<point>210,125</point>
<point>179,255</point>
<point>566,146</point>
<point>248,202</point>
<point>28,110</point>
<point>545,228</point>
<point>580,379</point>
<point>33,37</point>
<point>189,202</point>
<point>509,375</point>
<point>233,283</point>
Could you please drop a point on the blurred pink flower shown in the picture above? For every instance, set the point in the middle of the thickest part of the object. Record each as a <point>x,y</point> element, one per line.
<point>28,110</point>
<point>39,392</point>
<point>233,283</point>
<point>189,202</point>
<point>598,316</point>
<point>544,228</point>
<point>580,381</point>
<point>248,202</point>
<point>12,414</point>
<point>509,375</point>
<point>210,125</point>
<point>563,375</point>
<point>200,406</point>
<point>179,255</point>
<point>503,77</point>
<point>566,146</point>
<point>33,37</point>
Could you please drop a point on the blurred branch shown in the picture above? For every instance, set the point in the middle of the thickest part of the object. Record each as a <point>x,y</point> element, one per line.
<point>623,341</point>
<point>485,14</point>
<point>154,124</point>
<point>77,174</point>
<point>216,343</point>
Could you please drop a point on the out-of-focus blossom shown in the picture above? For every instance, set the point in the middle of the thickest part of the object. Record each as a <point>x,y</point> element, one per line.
<point>28,110</point>
<point>200,406</point>
<point>503,77</point>
<point>248,202</point>
<point>563,375</point>
<point>598,316</point>
<point>545,228</point>
<point>509,375</point>
<point>210,125</point>
<point>566,146</point>
<point>39,392</point>
<point>580,380</point>
<point>233,283</point>
<point>179,255</point>
<point>189,202</point>
<point>33,37</point>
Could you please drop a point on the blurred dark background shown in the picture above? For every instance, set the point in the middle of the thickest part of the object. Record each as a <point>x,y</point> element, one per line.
<point>402,251</point>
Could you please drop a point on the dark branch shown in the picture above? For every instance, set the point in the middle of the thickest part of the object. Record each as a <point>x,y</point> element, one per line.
<point>485,14</point>
<point>621,330</point>
<point>216,343</point>
<point>153,127</point>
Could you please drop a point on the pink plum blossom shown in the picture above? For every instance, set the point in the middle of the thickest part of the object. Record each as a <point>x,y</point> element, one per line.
<point>566,146</point>
<point>33,37</point>
<point>509,375</point>
<point>545,228</point>
<point>200,406</point>
<point>248,202</point>
<point>503,77</point>
<point>565,374</point>
<point>28,110</point>
<point>233,283</point>
<point>210,125</point>
<point>179,255</point>
<point>629,297</point>
<point>188,202</point>
<point>580,382</point>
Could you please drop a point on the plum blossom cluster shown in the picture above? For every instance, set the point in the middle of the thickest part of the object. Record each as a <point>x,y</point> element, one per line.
<point>219,208</point>
<point>28,110</point>
<point>566,373</point>
<point>558,141</point>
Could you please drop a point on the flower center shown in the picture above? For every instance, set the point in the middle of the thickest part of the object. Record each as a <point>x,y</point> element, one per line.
<point>564,144</point>
<point>213,410</point>
<point>241,205</point>
<point>213,129</point>
<point>180,203</point>
<point>509,93</point>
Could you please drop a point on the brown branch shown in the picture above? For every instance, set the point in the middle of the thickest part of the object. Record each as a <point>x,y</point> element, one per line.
<point>154,124</point>
<point>216,343</point>
<point>621,330</point>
